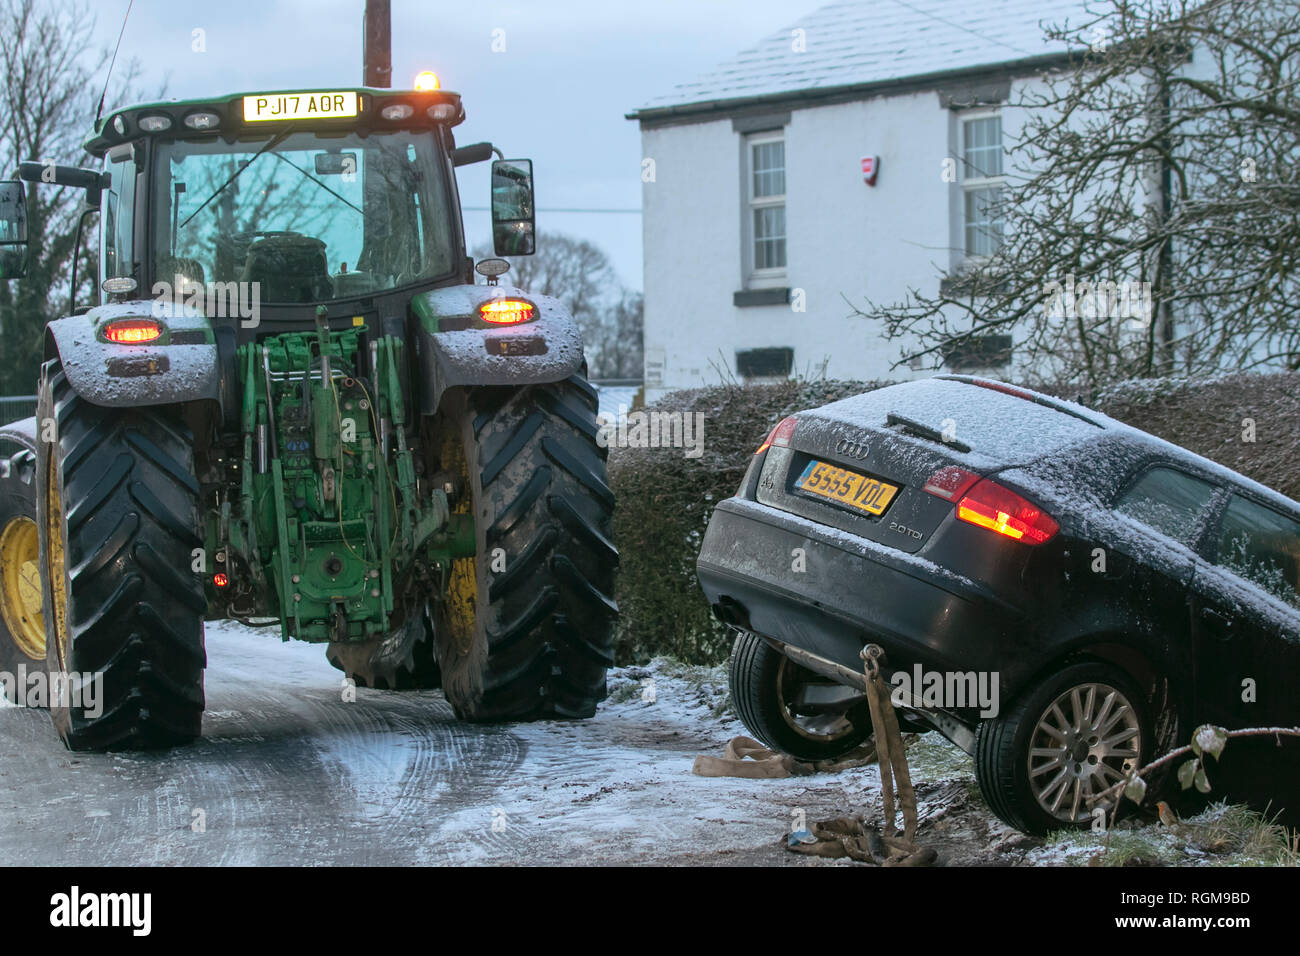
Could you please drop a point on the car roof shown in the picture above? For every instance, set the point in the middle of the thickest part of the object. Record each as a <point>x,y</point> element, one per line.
<point>1070,430</point>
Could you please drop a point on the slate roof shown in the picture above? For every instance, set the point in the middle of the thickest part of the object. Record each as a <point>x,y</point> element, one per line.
<point>857,43</point>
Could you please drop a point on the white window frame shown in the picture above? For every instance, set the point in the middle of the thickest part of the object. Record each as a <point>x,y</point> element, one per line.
<point>754,203</point>
<point>969,183</point>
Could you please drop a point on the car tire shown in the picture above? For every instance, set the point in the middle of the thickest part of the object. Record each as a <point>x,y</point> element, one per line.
<point>1035,768</point>
<point>759,677</point>
<point>404,660</point>
<point>526,628</point>
<point>118,517</point>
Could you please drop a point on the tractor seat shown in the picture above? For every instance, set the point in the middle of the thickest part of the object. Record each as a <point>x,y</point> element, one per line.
<point>289,269</point>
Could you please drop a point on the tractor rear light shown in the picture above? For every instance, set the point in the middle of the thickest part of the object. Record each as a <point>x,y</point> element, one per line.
<point>780,435</point>
<point>989,505</point>
<point>950,483</point>
<point>132,331</point>
<point>507,311</point>
<point>442,112</point>
<point>157,123</point>
<point>220,580</point>
<point>397,111</point>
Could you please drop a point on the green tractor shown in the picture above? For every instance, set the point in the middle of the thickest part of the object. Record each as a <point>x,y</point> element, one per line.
<point>293,407</point>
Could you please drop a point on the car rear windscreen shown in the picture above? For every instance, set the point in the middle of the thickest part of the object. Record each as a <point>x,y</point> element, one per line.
<point>1004,427</point>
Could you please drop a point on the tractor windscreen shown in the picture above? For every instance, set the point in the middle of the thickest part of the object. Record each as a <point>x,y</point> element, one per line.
<point>309,217</point>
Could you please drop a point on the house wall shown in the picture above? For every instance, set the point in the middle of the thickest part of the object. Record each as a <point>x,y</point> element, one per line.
<point>845,239</point>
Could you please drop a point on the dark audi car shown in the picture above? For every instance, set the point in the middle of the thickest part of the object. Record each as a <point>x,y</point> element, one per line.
<point>1062,596</point>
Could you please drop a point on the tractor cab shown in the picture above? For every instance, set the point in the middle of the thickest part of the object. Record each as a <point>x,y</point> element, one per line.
<point>295,200</point>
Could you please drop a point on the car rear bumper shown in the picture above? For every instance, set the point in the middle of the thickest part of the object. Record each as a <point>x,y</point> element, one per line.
<point>850,592</point>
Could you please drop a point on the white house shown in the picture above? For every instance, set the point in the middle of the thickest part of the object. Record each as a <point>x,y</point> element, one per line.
<point>759,220</point>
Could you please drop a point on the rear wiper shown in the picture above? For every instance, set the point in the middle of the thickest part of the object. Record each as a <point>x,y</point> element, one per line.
<point>924,431</point>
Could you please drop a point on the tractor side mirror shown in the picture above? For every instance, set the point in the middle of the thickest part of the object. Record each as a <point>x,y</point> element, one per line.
<point>513,215</point>
<point>92,181</point>
<point>13,230</point>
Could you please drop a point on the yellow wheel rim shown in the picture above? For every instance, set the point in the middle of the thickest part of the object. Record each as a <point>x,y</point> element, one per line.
<point>461,605</point>
<point>20,586</point>
<point>55,569</point>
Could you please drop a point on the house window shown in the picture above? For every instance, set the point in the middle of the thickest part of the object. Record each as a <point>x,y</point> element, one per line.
<point>760,366</point>
<point>767,204</point>
<point>982,182</point>
<point>978,352</point>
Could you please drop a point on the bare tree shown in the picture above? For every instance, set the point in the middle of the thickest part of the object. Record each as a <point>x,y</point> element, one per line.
<point>48,97</point>
<point>1153,208</point>
<point>578,274</point>
<point>617,340</point>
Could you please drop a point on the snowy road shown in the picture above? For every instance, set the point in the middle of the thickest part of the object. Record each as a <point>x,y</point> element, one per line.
<point>289,773</point>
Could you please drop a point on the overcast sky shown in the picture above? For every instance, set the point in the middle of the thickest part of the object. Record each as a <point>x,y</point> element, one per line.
<point>558,94</point>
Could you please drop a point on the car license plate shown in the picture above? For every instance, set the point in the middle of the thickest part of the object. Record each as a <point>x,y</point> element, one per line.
<point>298,106</point>
<point>847,488</point>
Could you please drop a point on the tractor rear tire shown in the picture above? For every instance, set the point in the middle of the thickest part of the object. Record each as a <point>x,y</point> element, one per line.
<point>404,660</point>
<point>526,630</point>
<point>118,515</point>
<point>22,626</point>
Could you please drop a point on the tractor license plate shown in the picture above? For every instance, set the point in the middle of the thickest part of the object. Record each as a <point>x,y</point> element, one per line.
<point>300,106</point>
<point>848,488</point>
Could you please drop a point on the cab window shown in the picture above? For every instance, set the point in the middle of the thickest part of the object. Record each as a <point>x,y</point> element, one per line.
<point>1169,501</point>
<point>116,250</point>
<point>1262,546</point>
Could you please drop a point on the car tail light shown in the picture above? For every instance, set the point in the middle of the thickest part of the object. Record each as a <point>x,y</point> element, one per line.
<point>999,509</point>
<point>1004,388</point>
<point>507,311</point>
<point>132,331</point>
<point>950,483</point>
<point>779,436</point>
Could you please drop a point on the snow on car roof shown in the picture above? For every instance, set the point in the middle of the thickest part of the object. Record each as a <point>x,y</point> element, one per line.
<point>1017,426</point>
<point>1002,427</point>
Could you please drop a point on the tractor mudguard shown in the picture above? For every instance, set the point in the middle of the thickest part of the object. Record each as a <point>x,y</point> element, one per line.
<point>21,433</point>
<point>181,365</point>
<point>455,347</point>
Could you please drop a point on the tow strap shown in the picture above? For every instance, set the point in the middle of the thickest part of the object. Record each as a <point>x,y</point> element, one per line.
<point>853,836</point>
<point>848,836</point>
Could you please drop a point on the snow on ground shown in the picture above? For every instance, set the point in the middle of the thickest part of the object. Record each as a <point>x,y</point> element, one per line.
<point>289,772</point>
